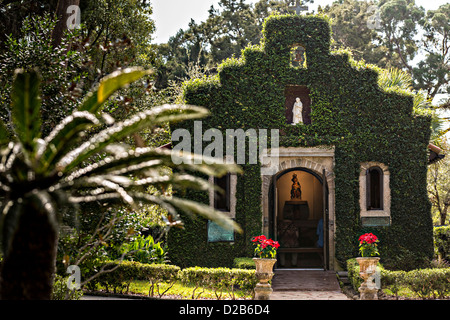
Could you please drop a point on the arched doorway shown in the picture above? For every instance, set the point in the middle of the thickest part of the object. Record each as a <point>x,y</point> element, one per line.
<point>298,218</point>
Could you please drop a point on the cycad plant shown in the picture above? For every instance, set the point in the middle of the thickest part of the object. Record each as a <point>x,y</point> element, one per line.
<point>41,176</point>
<point>393,77</point>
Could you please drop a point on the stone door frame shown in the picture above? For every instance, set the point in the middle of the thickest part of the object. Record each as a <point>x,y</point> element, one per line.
<point>316,159</point>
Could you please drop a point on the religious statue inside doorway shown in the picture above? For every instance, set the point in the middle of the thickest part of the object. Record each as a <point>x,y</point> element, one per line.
<point>297,112</point>
<point>296,190</point>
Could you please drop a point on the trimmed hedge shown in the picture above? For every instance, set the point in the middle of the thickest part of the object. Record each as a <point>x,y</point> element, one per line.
<point>349,111</point>
<point>61,292</point>
<point>220,280</point>
<point>217,279</point>
<point>125,272</point>
<point>425,283</point>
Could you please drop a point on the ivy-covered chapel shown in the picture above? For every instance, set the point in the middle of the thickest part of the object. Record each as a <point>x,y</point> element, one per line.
<point>351,157</point>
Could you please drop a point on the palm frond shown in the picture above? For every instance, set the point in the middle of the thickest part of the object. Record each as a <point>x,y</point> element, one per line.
<point>192,207</point>
<point>123,129</point>
<point>185,181</point>
<point>421,101</point>
<point>100,196</point>
<point>25,104</point>
<point>109,85</point>
<point>395,78</point>
<point>171,204</point>
<point>109,185</point>
<point>140,159</point>
<point>66,134</point>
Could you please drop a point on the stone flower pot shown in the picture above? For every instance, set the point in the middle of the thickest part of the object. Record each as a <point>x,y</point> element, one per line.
<point>264,273</point>
<point>367,268</point>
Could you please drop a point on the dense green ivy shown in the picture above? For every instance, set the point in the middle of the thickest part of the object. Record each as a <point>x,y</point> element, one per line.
<point>349,111</point>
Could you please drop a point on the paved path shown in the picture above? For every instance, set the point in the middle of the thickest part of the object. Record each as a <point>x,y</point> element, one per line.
<point>306,285</point>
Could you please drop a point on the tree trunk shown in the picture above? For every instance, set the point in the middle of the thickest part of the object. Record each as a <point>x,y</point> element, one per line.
<point>28,267</point>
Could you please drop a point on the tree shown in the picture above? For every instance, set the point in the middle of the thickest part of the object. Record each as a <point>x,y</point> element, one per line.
<point>73,62</point>
<point>14,12</point>
<point>400,21</point>
<point>109,37</point>
<point>225,33</point>
<point>351,30</point>
<point>63,70</point>
<point>39,177</point>
<point>229,28</point>
<point>399,32</point>
<point>392,34</point>
<point>433,73</point>
<point>116,40</point>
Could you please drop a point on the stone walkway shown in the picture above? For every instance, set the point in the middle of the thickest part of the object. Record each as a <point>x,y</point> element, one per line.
<point>306,285</point>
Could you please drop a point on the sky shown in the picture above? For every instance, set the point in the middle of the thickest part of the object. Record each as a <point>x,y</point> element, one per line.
<point>173,15</point>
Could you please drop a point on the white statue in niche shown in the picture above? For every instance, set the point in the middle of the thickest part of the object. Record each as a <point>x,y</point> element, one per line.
<point>297,112</point>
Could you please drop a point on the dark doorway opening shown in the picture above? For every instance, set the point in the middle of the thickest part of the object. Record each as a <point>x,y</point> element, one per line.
<point>298,223</point>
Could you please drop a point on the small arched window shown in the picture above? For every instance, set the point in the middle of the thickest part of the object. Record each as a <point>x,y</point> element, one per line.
<point>222,199</point>
<point>374,188</point>
<point>375,194</point>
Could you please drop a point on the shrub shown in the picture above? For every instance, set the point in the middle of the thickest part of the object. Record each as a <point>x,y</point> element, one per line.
<point>117,276</point>
<point>144,250</point>
<point>393,280</point>
<point>428,283</point>
<point>220,280</point>
<point>126,271</point>
<point>157,274</point>
<point>61,292</point>
<point>353,273</point>
<point>196,276</point>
